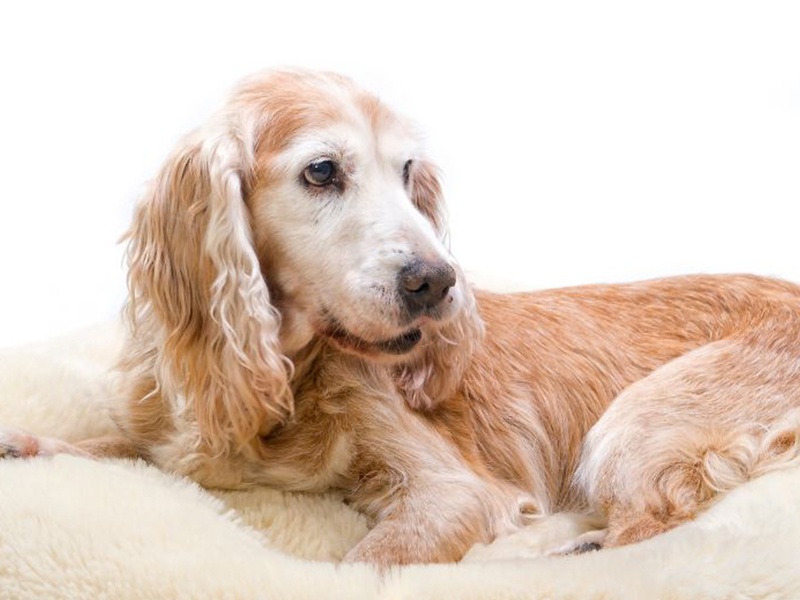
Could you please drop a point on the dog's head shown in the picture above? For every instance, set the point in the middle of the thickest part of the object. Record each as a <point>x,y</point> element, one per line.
<point>305,208</point>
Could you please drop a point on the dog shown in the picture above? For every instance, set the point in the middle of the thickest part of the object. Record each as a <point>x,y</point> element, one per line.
<point>296,319</point>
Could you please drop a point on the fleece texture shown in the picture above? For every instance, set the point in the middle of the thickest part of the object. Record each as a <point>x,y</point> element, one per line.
<point>78,529</point>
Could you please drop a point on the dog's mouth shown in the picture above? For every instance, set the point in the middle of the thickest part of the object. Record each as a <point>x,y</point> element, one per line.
<point>402,344</point>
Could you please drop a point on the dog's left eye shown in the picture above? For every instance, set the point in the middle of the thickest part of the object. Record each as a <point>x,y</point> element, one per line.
<point>407,171</point>
<point>320,173</point>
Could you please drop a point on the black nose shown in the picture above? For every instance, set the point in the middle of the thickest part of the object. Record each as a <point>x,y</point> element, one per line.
<point>423,285</point>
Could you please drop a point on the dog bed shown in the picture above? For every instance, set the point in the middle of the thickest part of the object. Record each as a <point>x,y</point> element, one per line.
<point>74,528</point>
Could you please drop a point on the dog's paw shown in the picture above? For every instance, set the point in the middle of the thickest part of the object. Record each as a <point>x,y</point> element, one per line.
<point>538,539</point>
<point>587,547</point>
<point>15,443</point>
<point>591,541</point>
<point>18,444</point>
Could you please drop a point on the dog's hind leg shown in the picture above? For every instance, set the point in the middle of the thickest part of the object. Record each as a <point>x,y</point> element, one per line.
<point>700,425</point>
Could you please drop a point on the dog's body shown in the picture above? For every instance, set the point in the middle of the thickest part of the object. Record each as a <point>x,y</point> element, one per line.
<point>448,421</point>
<point>701,373</point>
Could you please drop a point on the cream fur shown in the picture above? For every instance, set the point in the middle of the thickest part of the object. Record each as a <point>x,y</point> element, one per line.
<point>73,528</point>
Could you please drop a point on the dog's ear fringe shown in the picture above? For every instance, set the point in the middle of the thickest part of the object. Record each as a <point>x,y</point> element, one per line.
<point>198,296</point>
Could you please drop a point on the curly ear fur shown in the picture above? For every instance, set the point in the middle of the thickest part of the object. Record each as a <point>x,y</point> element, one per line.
<point>198,293</point>
<point>434,374</point>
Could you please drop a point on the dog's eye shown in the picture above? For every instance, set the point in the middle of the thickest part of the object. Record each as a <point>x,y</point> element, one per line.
<point>407,171</point>
<point>320,173</point>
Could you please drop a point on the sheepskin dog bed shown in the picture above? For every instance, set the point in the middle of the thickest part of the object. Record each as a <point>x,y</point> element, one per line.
<point>74,528</point>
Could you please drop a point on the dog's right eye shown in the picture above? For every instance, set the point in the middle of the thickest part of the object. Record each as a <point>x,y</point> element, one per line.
<point>320,173</point>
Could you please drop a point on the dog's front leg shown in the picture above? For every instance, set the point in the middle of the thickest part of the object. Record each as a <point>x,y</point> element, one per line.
<point>428,503</point>
<point>404,539</point>
<point>399,540</point>
<point>410,535</point>
<point>437,521</point>
<point>17,443</point>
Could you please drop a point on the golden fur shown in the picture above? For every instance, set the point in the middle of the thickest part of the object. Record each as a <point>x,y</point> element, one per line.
<point>640,402</point>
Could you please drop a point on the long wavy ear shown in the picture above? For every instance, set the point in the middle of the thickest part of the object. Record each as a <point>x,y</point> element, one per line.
<point>434,374</point>
<point>197,292</point>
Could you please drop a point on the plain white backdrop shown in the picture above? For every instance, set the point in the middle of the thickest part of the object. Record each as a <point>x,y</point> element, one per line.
<point>581,141</point>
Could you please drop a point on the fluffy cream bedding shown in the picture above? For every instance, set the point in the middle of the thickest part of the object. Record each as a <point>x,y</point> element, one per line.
<point>72,528</point>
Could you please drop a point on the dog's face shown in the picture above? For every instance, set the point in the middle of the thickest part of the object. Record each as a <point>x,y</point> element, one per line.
<point>344,215</point>
<point>304,208</point>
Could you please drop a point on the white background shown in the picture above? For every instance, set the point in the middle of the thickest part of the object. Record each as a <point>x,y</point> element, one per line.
<point>581,141</point>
